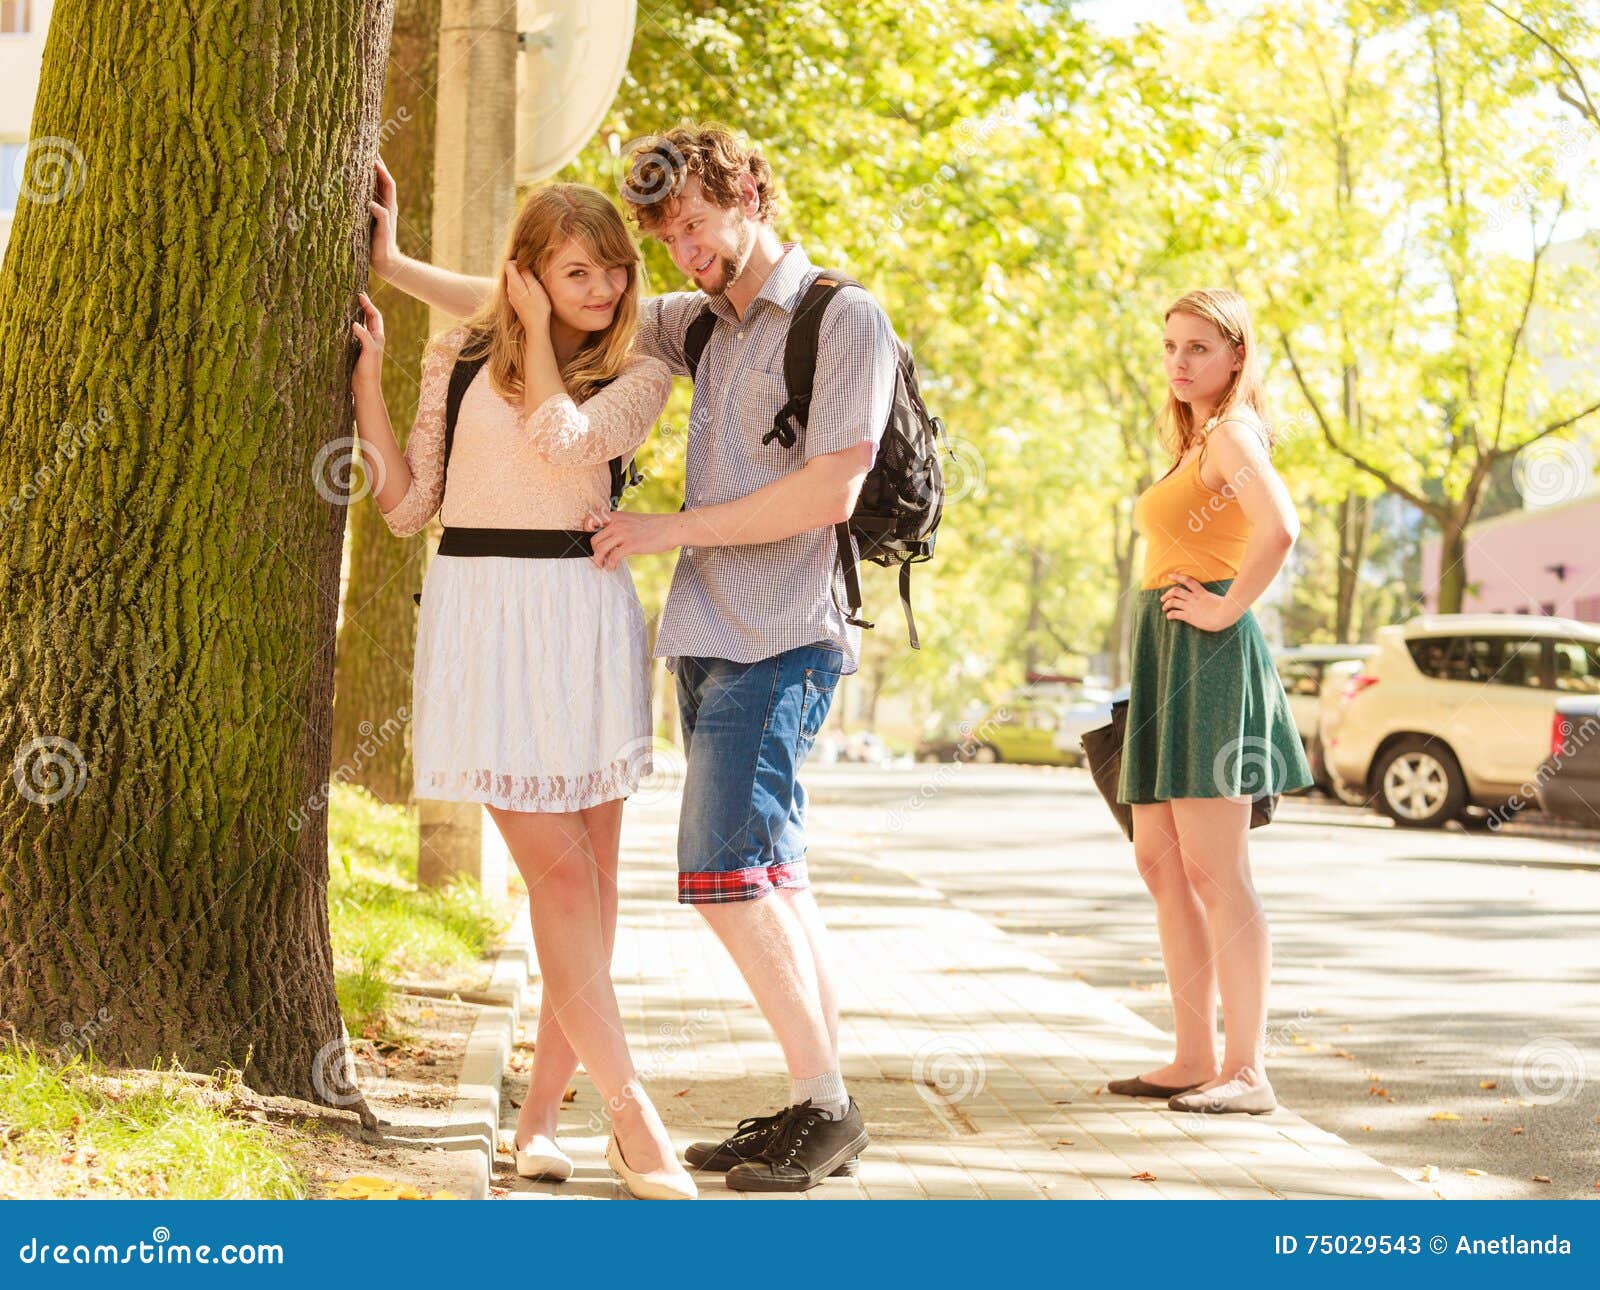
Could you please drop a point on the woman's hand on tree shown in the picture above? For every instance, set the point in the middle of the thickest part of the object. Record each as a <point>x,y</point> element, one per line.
<point>369,332</point>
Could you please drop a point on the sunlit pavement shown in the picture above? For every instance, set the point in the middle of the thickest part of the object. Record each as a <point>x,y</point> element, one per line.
<point>965,928</point>
<point>1420,974</point>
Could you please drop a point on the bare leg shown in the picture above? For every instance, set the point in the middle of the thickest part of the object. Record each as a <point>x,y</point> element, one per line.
<point>552,852</point>
<point>1213,835</point>
<point>804,905</point>
<point>774,954</point>
<point>554,1061</point>
<point>1185,948</point>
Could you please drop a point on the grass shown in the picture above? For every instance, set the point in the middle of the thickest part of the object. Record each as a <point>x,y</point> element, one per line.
<point>71,1129</point>
<point>384,927</point>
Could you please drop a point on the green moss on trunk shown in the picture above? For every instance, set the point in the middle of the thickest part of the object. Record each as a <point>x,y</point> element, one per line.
<point>180,319</point>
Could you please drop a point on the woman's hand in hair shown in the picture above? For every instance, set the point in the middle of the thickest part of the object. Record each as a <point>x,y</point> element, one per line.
<point>1190,602</point>
<point>529,298</point>
<point>369,332</point>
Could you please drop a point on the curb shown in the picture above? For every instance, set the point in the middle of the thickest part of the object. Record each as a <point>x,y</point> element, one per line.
<point>475,1113</point>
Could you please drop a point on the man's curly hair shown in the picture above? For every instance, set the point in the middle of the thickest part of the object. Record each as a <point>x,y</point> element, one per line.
<point>660,164</point>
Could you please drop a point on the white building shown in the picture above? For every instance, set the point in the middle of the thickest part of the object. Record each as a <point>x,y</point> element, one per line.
<point>23,24</point>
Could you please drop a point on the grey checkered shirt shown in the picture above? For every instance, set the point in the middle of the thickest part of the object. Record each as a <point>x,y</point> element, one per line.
<point>747,603</point>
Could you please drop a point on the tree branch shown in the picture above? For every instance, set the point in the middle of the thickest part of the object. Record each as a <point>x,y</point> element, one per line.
<point>1539,248</point>
<point>1423,504</point>
<point>1587,106</point>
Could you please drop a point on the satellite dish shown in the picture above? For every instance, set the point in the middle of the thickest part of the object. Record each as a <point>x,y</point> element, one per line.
<point>572,58</point>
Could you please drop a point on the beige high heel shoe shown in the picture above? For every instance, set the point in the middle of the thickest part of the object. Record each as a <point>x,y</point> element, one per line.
<point>652,1186</point>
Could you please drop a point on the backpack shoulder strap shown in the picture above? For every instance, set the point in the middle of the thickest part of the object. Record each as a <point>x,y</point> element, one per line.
<point>461,376</point>
<point>698,337</point>
<point>800,356</point>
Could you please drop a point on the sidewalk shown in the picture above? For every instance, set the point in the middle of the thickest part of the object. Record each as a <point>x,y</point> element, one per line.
<point>977,1063</point>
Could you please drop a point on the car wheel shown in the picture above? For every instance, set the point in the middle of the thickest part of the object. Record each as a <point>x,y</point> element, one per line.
<point>1420,784</point>
<point>985,754</point>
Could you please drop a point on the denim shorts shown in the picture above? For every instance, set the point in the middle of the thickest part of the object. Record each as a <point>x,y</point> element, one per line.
<point>747,728</point>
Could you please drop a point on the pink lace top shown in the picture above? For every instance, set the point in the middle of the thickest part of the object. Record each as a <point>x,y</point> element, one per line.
<point>509,470</point>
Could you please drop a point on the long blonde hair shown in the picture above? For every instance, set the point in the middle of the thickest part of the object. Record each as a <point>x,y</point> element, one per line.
<point>548,218</point>
<point>1227,311</point>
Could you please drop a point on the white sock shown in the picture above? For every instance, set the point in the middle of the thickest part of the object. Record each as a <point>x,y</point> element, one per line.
<point>826,1092</point>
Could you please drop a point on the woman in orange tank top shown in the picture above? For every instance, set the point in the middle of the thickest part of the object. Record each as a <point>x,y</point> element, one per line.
<point>1208,725</point>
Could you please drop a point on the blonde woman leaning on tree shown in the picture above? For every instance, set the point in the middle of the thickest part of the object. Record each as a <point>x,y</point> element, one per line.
<point>532,668</point>
<point>1208,725</point>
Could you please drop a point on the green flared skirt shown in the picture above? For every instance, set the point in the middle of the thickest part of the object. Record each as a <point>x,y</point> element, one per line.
<point>1207,715</point>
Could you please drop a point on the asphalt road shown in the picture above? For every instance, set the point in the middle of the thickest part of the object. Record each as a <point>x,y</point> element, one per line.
<point>1419,975</point>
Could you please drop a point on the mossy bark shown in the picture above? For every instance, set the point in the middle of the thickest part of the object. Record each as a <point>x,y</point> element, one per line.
<point>377,629</point>
<point>174,383</point>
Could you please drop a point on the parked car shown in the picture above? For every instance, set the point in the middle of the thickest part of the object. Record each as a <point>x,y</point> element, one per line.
<point>1309,673</point>
<point>1021,728</point>
<point>1089,711</point>
<point>1568,783</point>
<point>1455,710</point>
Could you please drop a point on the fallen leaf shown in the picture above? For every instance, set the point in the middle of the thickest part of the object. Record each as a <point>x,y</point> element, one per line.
<point>1430,1173</point>
<point>443,1194</point>
<point>1444,1115</point>
<point>1473,1173</point>
<point>1145,1176</point>
<point>1067,1142</point>
<point>1540,1178</point>
<point>1488,1083</point>
<point>1375,1091</point>
<point>1339,1052</point>
<point>571,1095</point>
<point>1516,1128</point>
<point>682,1092</point>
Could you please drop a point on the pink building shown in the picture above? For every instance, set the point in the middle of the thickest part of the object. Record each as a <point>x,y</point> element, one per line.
<point>1539,561</point>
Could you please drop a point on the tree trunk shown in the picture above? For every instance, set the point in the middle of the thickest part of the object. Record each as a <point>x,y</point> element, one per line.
<point>176,303</point>
<point>1355,518</point>
<point>1452,568</point>
<point>1124,539</point>
<point>377,632</point>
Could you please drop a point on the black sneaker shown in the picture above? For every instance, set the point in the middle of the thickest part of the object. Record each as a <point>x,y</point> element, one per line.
<point>803,1148</point>
<point>747,1142</point>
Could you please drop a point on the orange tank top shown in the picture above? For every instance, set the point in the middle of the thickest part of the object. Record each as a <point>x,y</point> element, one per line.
<point>1189,528</point>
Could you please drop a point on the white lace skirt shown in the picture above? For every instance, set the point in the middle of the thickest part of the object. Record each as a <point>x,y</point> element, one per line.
<point>531,689</point>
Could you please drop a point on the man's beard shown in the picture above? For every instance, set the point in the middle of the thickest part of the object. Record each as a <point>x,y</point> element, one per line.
<point>733,265</point>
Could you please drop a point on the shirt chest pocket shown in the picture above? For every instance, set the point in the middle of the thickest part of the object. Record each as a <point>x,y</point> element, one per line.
<point>756,398</point>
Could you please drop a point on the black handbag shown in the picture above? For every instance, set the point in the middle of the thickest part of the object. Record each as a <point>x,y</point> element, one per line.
<point>1102,749</point>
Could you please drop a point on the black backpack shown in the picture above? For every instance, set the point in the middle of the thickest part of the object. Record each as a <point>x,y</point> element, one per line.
<point>623,475</point>
<point>897,515</point>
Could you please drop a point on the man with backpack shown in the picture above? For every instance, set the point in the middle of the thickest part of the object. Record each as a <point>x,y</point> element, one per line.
<point>753,627</point>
